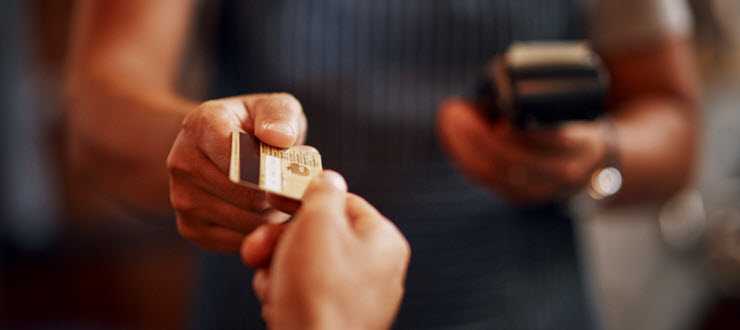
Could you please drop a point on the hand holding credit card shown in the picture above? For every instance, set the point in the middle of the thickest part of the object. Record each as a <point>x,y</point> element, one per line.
<point>281,171</point>
<point>211,210</point>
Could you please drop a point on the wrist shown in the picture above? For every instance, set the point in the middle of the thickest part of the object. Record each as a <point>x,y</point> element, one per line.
<point>606,180</point>
<point>329,321</point>
<point>337,318</point>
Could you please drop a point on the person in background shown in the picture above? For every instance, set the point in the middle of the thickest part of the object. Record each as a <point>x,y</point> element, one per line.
<point>369,77</point>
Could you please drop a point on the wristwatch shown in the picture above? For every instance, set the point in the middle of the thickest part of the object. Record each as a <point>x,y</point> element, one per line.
<point>607,180</point>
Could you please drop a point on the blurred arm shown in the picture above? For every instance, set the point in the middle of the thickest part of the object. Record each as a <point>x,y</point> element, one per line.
<point>123,111</point>
<point>655,108</point>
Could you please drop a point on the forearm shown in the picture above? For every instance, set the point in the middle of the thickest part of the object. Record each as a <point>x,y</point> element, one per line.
<point>122,109</point>
<point>656,148</point>
<point>656,112</point>
<point>119,135</point>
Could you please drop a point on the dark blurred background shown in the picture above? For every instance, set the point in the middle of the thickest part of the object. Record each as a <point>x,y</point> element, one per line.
<point>71,259</point>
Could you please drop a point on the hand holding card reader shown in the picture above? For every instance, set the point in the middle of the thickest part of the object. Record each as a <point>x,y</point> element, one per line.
<point>540,84</point>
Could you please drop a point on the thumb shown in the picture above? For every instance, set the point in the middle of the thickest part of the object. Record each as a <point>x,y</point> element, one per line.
<point>278,119</point>
<point>324,198</point>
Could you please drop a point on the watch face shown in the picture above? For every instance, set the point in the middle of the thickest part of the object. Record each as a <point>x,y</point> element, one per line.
<point>605,182</point>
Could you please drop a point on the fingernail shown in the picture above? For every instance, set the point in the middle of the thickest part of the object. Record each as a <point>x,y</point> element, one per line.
<point>281,127</point>
<point>335,180</point>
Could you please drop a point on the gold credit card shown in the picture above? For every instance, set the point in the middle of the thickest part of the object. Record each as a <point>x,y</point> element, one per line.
<point>286,172</point>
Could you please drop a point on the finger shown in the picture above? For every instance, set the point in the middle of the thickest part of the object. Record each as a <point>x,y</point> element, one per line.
<point>513,152</point>
<point>261,285</point>
<point>579,135</point>
<point>368,223</point>
<point>385,238</point>
<point>209,237</point>
<point>546,141</point>
<point>457,117</point>
<point>193,202</point>
<point>576,149</point>
<point>284,204</point>
<point>361,214</point>
<point>465,136</point>
<point>259,246</point>
<point>278,118</point>
<point>459,137</point>
<point>492,155</point>
<point>324,199</point>
<point>267,313</point>
<point>191,165</point>
<point>358,207</point>
<point>566,138</point>
<point>484,153</point>
<point>488,148</point>
<point>211,126</point>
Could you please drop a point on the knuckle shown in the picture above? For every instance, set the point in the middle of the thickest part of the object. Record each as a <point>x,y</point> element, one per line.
<point>401,243</point>
<point>404,248</point>
<point>255,285</point>
<point>288,99</point>
<point>172,161</point>
<point>185,230</point>
<point>210,110</point>
<point>187,122</point>
<point>210,106</point>
<point>191,125</point>
<point>191,120</point>
<point>215,115</point>
<point>182,202</point>
<point>266,314</point>
<point>284,102</point>
<point>385,229</point>
<point>176,165</point>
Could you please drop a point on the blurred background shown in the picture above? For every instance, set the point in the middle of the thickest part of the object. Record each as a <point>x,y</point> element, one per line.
<point>71,259</point>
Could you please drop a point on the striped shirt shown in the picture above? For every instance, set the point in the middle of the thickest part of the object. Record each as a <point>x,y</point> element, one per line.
<point>370,76</point>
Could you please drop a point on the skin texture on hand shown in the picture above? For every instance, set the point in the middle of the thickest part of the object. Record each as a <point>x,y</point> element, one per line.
<point>212,211</point>
<point>653,105</point>
<point>339,264</point>
<point>522,167</point>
